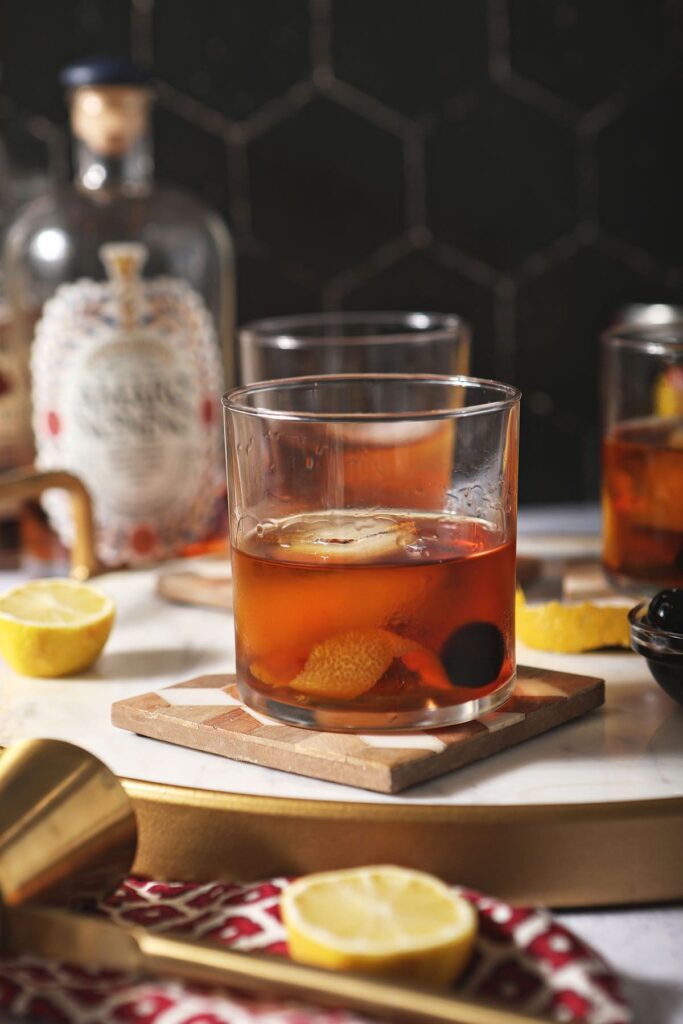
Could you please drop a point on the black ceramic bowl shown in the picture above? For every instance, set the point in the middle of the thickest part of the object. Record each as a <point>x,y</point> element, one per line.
<point>662,649</point>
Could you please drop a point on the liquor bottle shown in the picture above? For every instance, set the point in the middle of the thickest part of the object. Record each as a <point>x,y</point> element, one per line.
<point>123,290</point>
<point>16,443</point>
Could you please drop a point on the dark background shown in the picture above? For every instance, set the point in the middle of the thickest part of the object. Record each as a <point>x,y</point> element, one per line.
<point>516,161</point>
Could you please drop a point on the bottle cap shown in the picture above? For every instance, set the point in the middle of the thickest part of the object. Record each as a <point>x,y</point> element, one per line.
<point>102,70</point>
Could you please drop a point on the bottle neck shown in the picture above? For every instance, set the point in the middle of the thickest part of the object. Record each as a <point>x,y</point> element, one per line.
<point>112,140</point>
<point>130,173</point>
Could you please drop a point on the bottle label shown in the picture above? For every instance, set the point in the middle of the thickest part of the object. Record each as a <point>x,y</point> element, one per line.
<point>127,381</point>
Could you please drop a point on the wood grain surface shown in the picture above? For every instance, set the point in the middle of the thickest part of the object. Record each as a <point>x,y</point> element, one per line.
<point>206,713</point>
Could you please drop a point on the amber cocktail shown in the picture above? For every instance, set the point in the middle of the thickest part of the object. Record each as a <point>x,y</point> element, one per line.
<point>642,459</point>
<point>643,506</point>
<point>353,342</point>
<point>408,457</point>
<point>373,598</point>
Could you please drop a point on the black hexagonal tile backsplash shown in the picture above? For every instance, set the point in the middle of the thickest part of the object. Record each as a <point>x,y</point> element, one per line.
<point>327,186</point>
<point>501,180</point>
<point>411,57</point>
<point>185,152</point>
<point>516,161</point>
<point>422,279</point>
<point>587,50</point>
<point>232,56</point>
<point>560,314</point>
<point>641,169</point>
<point>37,39</point>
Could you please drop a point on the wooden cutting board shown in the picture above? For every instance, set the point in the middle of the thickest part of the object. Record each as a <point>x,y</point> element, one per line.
<point>207,714</point>
<point>195,588</point>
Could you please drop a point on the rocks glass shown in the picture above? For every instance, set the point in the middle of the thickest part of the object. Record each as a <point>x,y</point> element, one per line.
<point>642,457</point>
<point>372,529</point>
<point>369,342</point>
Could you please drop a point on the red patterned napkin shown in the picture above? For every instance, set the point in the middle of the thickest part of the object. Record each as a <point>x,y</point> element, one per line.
<point>522,958</point>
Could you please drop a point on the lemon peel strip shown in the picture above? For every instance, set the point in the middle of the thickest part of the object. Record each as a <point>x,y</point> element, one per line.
<point>571,628</point>
<point>349,664</point>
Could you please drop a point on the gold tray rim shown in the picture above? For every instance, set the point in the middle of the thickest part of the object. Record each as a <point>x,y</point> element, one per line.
<point>371,810</point>
<point>396,809</point>
<point>561,855</point>
<point>570,855</point>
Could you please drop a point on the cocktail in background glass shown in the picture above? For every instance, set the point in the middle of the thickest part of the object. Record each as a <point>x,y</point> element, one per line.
<point>313,344</point>
<point>360,604</point>
<point>319,344</point>
<point>642,461</point>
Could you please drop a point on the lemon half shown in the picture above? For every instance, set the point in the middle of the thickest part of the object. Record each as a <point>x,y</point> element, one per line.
<point>380,920</point>
<point>54,627</point>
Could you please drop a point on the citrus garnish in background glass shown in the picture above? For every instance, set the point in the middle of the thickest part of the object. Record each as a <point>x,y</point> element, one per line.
<point>669,392</point>
<point>380,920</point>
<point>54,627</point>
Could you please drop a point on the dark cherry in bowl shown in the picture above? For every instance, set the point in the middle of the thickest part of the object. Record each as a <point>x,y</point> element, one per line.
<point>661,648</point>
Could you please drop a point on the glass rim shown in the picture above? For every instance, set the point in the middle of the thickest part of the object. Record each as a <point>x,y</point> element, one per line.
<point>659,641</point>
<point>649,314</point>
<point>232,399</point>
<point>651,339</point>
<point>281,331</point>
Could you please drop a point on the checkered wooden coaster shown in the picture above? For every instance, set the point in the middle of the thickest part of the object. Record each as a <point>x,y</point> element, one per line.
<point>207,714</point>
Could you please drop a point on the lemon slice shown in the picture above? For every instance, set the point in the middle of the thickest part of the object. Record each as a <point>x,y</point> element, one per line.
<point>572,628</point>
<point>380,920</point>
<point>344,538</point>
<point>53,627</point>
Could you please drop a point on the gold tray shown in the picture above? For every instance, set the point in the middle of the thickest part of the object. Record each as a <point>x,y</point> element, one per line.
<point>565,856</point>
<point>583,854</point>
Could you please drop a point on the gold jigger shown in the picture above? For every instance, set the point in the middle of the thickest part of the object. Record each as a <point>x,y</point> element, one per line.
<point>68,833</point>
<point>67,827</point>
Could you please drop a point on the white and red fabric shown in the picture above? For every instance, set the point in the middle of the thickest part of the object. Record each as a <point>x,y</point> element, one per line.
<point>523,958</point>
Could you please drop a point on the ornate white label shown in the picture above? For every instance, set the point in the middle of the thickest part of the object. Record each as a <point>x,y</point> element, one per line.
<point>127,383</point>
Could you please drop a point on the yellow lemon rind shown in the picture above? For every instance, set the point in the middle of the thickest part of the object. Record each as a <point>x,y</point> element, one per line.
<point>572,628</point>
<point>438,959</point>
<point>50,650</point>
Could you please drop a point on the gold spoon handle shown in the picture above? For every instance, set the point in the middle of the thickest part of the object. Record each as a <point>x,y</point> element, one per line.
<point>96,942</point>
<point>274,976</point>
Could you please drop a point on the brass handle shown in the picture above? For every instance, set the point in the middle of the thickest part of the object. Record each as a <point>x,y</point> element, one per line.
<point>22,484</point>
<point>210,964</point>
<point>96,942</point>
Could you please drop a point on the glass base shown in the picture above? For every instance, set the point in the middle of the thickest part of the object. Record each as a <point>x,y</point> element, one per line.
<point>363,719</point>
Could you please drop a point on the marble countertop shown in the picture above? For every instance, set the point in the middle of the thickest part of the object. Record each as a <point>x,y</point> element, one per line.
<point>645,947</point>
<point>630,749</point>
